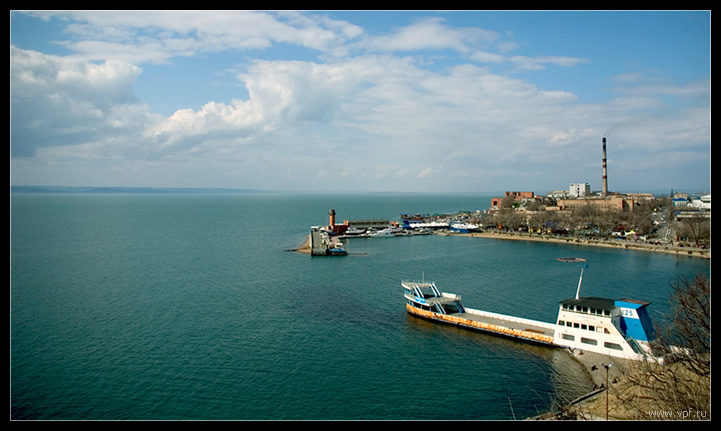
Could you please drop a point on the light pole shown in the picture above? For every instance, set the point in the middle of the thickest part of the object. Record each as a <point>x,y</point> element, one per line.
<point>607,367</point>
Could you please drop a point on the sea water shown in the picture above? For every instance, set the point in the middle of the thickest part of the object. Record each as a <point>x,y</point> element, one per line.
<point>191,307</point>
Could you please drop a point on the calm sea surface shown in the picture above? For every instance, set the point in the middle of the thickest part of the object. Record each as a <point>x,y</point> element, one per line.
<point>189,306</point>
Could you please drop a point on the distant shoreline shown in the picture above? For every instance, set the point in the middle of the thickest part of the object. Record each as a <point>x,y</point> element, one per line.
<point>627,245</point>
<point>624,245</point>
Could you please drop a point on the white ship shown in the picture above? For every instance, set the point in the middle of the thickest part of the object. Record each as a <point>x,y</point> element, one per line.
<point>389,232</point>
<point>617,328</point>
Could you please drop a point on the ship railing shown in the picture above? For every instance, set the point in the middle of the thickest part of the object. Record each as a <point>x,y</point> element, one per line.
<point>438,299</point>
<point>416,283</point>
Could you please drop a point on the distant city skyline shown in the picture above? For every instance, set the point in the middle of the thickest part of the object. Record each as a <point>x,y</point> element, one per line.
<point>361,101</point>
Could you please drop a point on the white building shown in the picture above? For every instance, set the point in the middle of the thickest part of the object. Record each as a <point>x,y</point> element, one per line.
<point>703,202</point>
<point>579,190</point>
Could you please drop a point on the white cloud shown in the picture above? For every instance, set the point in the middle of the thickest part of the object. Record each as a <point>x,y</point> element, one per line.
<point>354,120</point>
<point>61,101</point>
<point>431,33</point>
<point>158,36</point>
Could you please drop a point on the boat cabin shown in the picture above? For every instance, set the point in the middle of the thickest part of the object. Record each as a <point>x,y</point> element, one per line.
<point>615,327</point>
<point>426,296</point>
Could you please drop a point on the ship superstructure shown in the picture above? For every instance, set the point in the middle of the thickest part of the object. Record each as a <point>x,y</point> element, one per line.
<point>620,328</point>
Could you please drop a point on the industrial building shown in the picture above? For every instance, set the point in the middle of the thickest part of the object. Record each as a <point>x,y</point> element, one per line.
<point>497,203</point>
<point>340,229</point>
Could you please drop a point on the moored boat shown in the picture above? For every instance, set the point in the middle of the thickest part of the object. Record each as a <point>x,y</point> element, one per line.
<point>389,232</point>
<point>617,328</point>
<point>570,259</point>
<point>354,231</point>
<point>465,227</point>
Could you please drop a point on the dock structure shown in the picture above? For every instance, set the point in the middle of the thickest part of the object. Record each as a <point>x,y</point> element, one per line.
<point>317,246</point>
<point>321,244</point>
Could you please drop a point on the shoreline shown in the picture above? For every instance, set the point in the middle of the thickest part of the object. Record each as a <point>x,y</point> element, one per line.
<point>616,244</point>
<point>592,406</point>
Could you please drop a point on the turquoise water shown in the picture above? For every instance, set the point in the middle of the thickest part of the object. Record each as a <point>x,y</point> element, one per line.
<point>189,306</point>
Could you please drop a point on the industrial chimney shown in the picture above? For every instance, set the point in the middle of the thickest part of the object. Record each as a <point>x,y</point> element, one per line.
<point>604,193</point>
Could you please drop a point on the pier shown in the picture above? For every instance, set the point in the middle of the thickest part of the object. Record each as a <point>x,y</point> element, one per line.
<point>321,244</point>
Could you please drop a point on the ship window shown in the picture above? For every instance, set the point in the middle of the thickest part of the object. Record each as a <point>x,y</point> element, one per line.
<point>560,322</point>
<point>576,325</point>
<point>584,327</point>
<point>585,309</point>
<point>567,337</point>
<point>593,310</point>
<point>612,346</point>
<point>452,308</point>
<point>569,324</point>
<point>591,328</point>
<point>590,341</point>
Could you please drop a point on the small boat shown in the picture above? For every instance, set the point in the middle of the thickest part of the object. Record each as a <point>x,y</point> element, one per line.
<point>389,232</point>
<point>570,259</point>
<point>336,251</point>
<point>354,231</point>
<point>465,227</point>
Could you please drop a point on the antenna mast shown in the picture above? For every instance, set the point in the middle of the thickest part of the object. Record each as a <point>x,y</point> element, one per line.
<point>578,290</point>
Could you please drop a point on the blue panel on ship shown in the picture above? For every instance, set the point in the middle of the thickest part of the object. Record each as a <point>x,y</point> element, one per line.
<point>635,321</point>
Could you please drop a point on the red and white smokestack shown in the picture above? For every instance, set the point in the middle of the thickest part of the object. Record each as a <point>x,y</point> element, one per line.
<point>605,176</point>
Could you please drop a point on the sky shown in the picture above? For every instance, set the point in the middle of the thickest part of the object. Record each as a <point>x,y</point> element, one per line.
<point>361,101</point>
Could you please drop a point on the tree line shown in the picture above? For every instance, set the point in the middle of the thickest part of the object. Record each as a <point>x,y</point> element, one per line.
<point>648,220</point>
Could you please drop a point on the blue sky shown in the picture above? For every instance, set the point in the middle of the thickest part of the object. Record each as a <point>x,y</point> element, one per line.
<point>417,101</point>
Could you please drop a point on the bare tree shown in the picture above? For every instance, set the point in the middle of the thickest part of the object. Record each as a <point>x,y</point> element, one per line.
<point>680,387</point>
<point>696,227</point>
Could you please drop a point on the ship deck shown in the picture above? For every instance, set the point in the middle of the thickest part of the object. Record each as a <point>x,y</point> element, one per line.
<point>526,329</point>
<point>511,323</point>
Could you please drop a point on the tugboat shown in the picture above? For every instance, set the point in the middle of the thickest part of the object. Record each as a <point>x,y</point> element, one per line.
<point>336,249</point>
